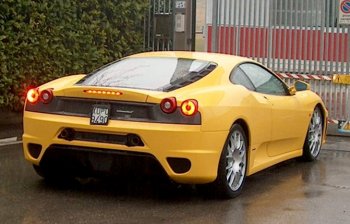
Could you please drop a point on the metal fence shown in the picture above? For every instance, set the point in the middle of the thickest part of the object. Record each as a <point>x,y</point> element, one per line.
<point>289,36</point>
<point>158,29</point>
<point>335,96</point>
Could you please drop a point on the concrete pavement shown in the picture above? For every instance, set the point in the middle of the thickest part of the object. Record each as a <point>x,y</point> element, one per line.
<point>11,125</point>
<point>291,192</point>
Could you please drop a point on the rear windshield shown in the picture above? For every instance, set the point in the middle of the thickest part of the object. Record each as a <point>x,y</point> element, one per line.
<point>161,74</point>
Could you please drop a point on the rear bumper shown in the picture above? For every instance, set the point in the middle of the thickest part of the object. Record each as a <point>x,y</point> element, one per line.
<point>162,141</point>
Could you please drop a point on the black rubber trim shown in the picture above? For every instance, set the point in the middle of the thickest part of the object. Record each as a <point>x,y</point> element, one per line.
<point>130,140</point>
<point>82,149</point>
<point>81,161</point>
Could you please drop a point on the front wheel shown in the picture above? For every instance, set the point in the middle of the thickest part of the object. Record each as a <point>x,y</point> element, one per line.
<point>313,141</point>
<point>233,164</point>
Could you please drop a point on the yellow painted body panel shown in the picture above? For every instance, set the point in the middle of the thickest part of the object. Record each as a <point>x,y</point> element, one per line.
<point>276,125</point>
<point>161,140</point>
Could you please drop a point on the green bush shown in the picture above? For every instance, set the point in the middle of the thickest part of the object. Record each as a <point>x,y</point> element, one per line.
<point>42,40</point>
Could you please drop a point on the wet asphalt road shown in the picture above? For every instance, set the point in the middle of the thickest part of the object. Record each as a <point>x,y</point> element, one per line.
<point>293,192</point>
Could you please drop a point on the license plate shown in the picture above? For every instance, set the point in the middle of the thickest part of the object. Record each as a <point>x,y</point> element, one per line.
<point>100,114</point>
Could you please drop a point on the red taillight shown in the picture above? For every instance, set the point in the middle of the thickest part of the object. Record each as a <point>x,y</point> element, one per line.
<point>189,107</point>
<point>168,105</point>
<point>46,96</point>
<point>33,95</point>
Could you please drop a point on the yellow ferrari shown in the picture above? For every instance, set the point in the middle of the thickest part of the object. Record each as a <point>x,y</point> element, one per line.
<point>203,118</point>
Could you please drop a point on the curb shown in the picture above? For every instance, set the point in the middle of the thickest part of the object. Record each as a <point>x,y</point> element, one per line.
<point>333,131</point>
<point>9,141</point>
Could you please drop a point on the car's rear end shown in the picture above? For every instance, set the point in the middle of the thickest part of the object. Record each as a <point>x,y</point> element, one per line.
<point>133,108</point>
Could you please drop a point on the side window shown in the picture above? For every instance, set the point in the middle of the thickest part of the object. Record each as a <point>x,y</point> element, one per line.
<point>240,78</point>
<point>263,80</point>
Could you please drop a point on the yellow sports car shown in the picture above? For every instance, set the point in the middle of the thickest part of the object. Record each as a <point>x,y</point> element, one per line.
<point>204,118</point>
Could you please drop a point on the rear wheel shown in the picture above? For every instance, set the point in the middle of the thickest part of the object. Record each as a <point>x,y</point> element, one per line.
<point>233,164</point>
<point>313,141</point>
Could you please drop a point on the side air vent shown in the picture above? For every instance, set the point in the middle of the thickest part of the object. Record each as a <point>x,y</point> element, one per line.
<point>179,165</point>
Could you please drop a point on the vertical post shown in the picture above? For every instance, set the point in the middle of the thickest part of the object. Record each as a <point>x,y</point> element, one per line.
<point>285,56</point>
<point>188,26</point>
<point>343,50</point>
<point>255,5</point>
<point>214,26</point>
<point>273,41</point>
<point>306,39</point>
<point>313,29</point>
<point>238,26</point>
<point>271,35</point>
<point>224,47</point>
<point>219,21</point>
<point>322,41</point>
<point>327,25</point>
<point>250,14</point>
<point>150,25</point>
<point>145,30</point>
<point>347,96</point>
<point>295,36</point>
<point>244,29</point>
<point>337,42</point>
<point>290,30</point>
<point>193,24</point>
<point>168,3</point>
<point>249,26</point>
<point>230,28</point>
<point>348,52</point>
<point>279,46</point>
<point>331,58</point>
<point>300,51</point>
<point>336,59</point>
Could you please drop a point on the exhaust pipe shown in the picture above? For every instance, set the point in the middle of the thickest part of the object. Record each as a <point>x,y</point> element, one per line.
<point>67,134</point>
<point>133,140</point>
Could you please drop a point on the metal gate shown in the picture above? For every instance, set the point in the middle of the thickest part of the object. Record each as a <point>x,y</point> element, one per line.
<point>169,25</point>
<point>299,39</point>
<point>159,26</point>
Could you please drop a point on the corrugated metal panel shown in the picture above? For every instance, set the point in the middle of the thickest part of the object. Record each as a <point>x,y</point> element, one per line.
<point>291,36</point>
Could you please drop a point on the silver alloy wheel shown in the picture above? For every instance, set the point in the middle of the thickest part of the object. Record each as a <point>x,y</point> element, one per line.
<point>315,133</point>
<point>236,160</point>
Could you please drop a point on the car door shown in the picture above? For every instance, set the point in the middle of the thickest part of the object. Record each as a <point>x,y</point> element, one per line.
<point>286,110</point>
<point>258,114</point>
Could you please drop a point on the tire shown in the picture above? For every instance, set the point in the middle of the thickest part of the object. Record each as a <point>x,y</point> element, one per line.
<point>232,165</point>
<point>314,136</point>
